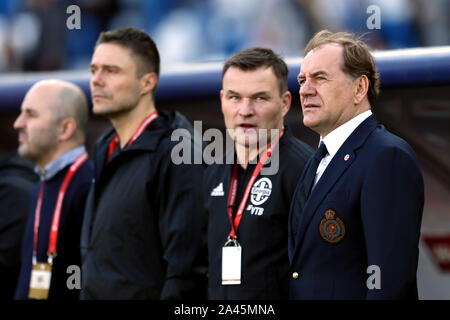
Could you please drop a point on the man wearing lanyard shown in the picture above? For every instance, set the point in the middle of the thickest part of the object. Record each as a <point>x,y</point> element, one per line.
<point>247,198</point>
<point>52,126</point>
<point>142,234</point>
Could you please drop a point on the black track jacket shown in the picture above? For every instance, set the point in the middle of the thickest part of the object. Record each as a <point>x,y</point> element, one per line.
<point>143,233</point>
<point>263,230</point>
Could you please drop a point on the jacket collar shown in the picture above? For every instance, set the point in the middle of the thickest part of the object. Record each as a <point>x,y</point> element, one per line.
<point>147,141</point>
<point>230,153</point>
<point>58,164</point>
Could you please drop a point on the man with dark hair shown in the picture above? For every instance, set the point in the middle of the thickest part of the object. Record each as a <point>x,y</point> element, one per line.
<point>51,130</point>
<point>247,199</point>
<point>142,235</point>
<point>354,223</point>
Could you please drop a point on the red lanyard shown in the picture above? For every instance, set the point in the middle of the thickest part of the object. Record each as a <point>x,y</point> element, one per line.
<point>234,184</point>
<point>53,239</point>
<point>144,124</point>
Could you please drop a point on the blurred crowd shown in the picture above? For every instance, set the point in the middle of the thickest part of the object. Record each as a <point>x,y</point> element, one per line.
<point>34,35</point>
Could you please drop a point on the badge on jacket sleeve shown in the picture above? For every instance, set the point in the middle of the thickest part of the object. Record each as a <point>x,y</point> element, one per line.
<point>332,228</point>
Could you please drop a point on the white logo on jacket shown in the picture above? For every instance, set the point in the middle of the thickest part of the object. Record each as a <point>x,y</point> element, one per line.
<point>218,191</point>
<point>261,191</point>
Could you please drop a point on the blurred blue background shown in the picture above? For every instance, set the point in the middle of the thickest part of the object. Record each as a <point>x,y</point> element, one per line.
<point>34,37</point>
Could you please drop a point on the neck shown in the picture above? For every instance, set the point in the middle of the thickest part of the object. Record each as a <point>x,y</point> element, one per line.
<point>42,163</point>
<point>245,154</point>
<point>127,124</point>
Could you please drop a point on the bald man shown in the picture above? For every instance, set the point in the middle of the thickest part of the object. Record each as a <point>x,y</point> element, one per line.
<point>52,131</point>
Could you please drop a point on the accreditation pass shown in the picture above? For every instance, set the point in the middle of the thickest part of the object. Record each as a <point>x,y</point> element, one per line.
<point>231,264</point>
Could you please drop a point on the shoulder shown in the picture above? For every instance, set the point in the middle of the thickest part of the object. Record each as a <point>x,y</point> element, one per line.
<point>170,121</point>
<point>384,151</point>
<point>84,175</point>
<point>294,153</point>
<point>296,147</point>
<point>381,141</point>
<point>87,169</point>
<point>216,169</point>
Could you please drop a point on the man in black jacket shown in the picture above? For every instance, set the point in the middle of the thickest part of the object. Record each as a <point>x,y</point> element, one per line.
<point>142,234</point>
<point>17,179</point>
<point>247,199</point>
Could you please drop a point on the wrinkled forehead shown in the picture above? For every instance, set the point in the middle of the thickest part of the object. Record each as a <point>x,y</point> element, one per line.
<point>328,57</point>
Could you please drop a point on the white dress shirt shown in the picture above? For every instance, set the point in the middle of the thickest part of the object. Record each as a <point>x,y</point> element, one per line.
<point>336,138</point>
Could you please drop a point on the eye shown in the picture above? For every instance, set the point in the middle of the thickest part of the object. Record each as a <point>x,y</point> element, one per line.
<point>29,113</point>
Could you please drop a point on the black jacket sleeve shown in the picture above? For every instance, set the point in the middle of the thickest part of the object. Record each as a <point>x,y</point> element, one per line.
<point>182,226</point>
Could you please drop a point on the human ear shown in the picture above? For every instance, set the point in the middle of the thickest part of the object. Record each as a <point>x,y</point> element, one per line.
<point>67,129</point>
<point>148,82</point>
<point>361,86</point>
<point>286,100</point>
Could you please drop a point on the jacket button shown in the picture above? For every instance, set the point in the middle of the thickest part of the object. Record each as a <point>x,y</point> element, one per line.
<point>295,275</point>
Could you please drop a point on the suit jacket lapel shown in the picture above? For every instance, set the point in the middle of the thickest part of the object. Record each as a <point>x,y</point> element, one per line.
<point>333,172</point>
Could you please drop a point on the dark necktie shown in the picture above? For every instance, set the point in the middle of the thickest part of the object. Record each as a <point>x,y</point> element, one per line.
<point>307,184</point>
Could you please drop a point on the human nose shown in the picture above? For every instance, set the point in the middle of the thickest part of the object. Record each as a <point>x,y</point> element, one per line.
<point>19,123</point>
<point>307,89</point>
<point>246,108</point>
<point>97,79</point>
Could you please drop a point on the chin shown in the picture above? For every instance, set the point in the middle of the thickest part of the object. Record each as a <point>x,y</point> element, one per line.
<point>247,143</point>
<point>101,111</point>
<point>310,123</point>
<point>24,153</point>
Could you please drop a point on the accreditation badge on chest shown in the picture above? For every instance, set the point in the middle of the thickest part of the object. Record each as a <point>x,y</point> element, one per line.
<point>231,263</point>
<point>232,250</point>
<point>41,275</point>
<point>41,272</point>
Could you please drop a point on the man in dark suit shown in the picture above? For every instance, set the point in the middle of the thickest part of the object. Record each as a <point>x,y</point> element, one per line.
<point>354,223</point>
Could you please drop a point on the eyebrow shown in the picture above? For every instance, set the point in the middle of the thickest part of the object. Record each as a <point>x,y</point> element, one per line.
<point>105,66</point>
<point>30,110</point>
<point>256,94</point>
<point>260,93</point>
<point>229,91</point>
<point>314,74</point>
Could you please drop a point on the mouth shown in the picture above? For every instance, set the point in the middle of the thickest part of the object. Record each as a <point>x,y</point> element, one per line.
<point>98,97</point>
<point>21,138</point>
<point>310,106</point>
<point>247,126</point>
